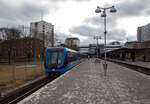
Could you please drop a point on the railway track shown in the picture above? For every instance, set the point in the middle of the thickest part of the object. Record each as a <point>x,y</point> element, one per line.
<point>138,68</point>
<point>19,94</point>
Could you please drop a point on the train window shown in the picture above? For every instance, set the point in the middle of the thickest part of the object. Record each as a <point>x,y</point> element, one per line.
<point>69,56</point>
<point>48,58</point>
<point>54,58</point>
<point>59,58</point>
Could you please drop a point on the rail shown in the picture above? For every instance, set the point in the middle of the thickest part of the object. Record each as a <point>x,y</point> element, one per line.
<point>19,94</point>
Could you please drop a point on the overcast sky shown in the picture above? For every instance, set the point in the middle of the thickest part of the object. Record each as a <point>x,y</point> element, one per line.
<point>77,18</point>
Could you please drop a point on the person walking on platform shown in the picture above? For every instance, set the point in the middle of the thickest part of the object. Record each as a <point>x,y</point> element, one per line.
<point>88,57</point>
<point>133,56</point>
<point>144,58</point>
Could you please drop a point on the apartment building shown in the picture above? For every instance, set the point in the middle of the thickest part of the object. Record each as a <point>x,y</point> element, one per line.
<point>143,33</point>
<point>44,31</point>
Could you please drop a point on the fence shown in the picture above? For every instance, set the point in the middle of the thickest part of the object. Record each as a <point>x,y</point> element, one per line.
<point>19,72</point>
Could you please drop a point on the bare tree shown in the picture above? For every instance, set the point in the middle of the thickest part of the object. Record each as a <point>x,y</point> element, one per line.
<point>13,34</point>
<point>25,31</point>
<point>3,33</point>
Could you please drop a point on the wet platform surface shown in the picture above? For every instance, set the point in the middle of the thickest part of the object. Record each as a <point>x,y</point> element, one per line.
<point>86,84</point>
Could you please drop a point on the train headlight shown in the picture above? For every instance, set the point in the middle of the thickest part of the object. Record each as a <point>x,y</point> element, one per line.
<point>58,67</point>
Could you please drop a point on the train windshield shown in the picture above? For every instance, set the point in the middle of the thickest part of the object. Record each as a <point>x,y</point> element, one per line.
<point>54,58</point>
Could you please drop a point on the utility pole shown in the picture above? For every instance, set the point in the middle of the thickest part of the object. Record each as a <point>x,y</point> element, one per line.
<point>96,38</point>
<point>52,36</point>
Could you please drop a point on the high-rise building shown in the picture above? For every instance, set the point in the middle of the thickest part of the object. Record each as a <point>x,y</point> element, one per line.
<point>139,30</point>
<point>143,33</point>
<point>73,43</point>
<point>44,31</point>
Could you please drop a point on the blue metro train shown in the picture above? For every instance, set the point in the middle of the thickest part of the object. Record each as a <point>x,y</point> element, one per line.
<point>59,60</point>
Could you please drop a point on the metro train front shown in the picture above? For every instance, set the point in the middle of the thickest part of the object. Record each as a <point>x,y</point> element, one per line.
<point>55,60</point>
<point>59,60</point>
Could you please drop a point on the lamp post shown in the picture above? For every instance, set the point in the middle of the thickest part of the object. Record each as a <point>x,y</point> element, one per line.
<point>103,10</point>
<point>96,38</point>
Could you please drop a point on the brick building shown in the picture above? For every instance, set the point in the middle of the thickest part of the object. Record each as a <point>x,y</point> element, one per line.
<point>21,48</point>
<point>137,44</point>
<point>133,44</point>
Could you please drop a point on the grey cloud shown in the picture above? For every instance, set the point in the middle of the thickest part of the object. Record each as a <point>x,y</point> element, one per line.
<point>22,13</point>
<point>131,38</point>
<point>61,37</point>
<point>85,30</point>
<point>148,11</point>
<point>125,9</point>
<point>97,20</point>
<point>70,0</point>
<point>88,41</point>
<point>133,8</point>
<point>116,34</point>
<point>94,20</point>
<point>112,34</point>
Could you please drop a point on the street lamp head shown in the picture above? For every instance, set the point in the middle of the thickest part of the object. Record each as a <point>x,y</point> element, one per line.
<point>103,14</point>
<point>98,10</point>
<point>99,37</point>
<point>113,9</point>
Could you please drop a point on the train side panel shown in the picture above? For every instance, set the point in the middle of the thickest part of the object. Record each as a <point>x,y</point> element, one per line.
<point>69,59</point>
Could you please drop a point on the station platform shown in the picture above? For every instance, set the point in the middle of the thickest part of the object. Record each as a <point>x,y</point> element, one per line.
<point>137,63</point>
<point>86,84</point>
